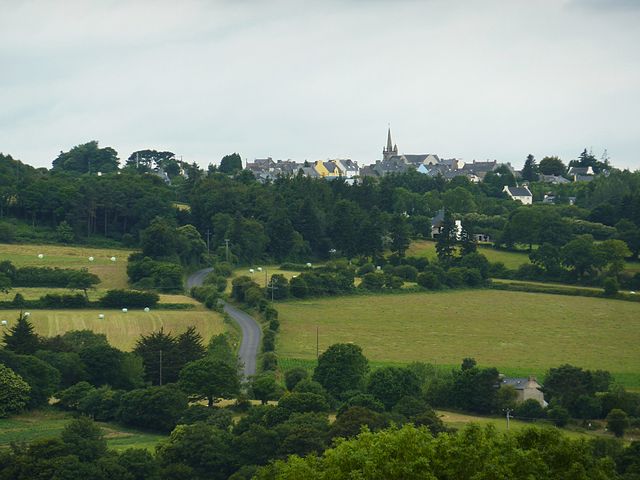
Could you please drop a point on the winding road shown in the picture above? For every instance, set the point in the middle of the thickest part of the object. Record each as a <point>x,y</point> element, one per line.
<point>251,331</point>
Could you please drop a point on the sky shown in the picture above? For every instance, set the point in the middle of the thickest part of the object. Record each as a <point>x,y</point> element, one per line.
<point>315,80</point>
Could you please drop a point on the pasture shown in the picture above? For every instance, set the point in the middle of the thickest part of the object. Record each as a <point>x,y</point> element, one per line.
<point>40,424</point>
<point>511,260</point>
<point>112,274</point>
<point>122,329</point>
<point>519,333</point>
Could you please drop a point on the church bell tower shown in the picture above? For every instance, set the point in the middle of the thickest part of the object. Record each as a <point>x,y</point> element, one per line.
<point>389,151</point>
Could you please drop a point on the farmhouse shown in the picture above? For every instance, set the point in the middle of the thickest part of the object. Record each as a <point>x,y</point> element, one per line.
<point>522,194</point>
<point>526,388</point>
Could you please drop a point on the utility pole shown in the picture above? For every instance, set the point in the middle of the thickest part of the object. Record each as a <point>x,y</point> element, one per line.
<point>508,417</point>
<point>317,344</point>
<point>272,287</point>
<point>160,380</point>
<point>226,243</point>
<point>208,233</point>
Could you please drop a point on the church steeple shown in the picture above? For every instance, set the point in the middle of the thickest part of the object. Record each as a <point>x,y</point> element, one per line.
<point>390,149</point>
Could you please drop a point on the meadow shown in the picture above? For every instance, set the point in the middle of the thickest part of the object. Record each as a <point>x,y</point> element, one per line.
<point>520,333</point>
<point>511,260</point>
<point>47,423</point>
<point>112,274</point>
<point>122,329</point>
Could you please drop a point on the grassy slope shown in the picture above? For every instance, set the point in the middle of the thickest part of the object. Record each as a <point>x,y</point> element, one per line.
<point>516,332</point>
<point>112,274</point>
<point>49,423</point>
<point>512,260</point>
<point>122,329</point>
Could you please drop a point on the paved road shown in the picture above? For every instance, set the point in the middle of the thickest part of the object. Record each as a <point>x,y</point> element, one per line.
<point>251,331</point>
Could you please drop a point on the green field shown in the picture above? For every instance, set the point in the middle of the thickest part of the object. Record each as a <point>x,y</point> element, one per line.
<point>511,260</point>
<point>40,424</point>
<point>521,333</point>
<point>122,329</point>
<point>112,274</point>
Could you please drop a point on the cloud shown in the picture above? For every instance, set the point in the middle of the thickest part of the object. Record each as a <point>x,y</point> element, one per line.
<point>309,80</point>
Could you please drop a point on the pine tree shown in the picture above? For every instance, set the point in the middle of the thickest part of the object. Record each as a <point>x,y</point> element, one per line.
<point>190,347</point>
<point>445,246</point>
<point>530,169</point>
<point>467,243</point>
<point>21,337</point>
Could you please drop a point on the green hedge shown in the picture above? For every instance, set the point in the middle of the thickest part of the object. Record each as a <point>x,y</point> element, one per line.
<point>129,299</point>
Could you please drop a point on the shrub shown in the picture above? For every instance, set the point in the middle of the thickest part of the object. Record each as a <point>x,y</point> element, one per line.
<point>269,361</point>
<point>129,299</point>
<point>298,287</point>
<point>406,272</point>
<point>63,301</point>
<point>558,415</point>
<point>253,296</point>
<point>373,282</point>
<point>220,283</point>
<point>429,280</point>
<point>366,268</point>
<point>293,376</point>
<point>269,341</point>
<point>201,293</point>
<point>455,277</point>
<point>472,277</point>
<point>274,325</point>
<point>393,282</point>
<point>223,269</point>
<point>271,314</point>
<point>529,410</point>
<point>7,232</point>
<point>155,408</point>
<point>611,286</point>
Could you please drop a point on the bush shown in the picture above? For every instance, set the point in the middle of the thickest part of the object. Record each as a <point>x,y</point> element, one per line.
<point>558,415</point>
<point>455,277</point>
<point>429,280</point>
<point>611,286</point>
<point>472,277</point>
<point>269,361</point>
<point>366,268</point>
<point>294,376</point>
<point>269,341</point>
<point>220,283</point>
<point>274,325</point>
<point>50,277</point>
<point>373,282</point>
<point>529,410</point>
<point>129,299</point>
<point>253,296</point>
<point>223,269</point>
<point>7,232</point>
<point>63,301</point>
<point>393,282</point>
<point>298,287</point>
<point>201,293</point>
<point>406,272</point>
<point>271,314</point>
<point>155,408</point>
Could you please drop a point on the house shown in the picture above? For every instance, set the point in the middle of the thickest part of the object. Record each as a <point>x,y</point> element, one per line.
<point>526,388</point>
<point>522,194</point>
<point>553,199</point>
<point>580,171</point>
<point>348,168</point>
<point>554,179</point>
<point>437,223</point>
<point>583,178</point>
<point>482,237</point>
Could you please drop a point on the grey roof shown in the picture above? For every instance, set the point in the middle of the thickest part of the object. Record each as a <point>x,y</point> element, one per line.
<point>438,219</point>
<point>553,179</point>
<point>579,171</point>
<point>368,171</point>
<point>310,172</point>
<point>583,178</point>
<point>479,167</point>
<point>417,159</point>
<point>519,191</point>
<point>330,166</point>
<point>517,383</point>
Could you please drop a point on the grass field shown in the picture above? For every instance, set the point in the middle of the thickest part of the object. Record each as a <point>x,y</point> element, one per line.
<point>112,274</point>
<point>511,260</point>
<point>517,332</point>
<point>49,423</point>
<point>259,277</point>
<point>122,329</point>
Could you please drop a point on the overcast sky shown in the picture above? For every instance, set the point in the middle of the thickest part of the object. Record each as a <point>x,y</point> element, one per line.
<point>315,80</point>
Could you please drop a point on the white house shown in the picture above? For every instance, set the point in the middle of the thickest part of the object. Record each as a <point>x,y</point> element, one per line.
<point>522,194</point>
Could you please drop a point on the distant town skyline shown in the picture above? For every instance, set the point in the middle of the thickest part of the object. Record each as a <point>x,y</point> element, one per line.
<point>311,81</point>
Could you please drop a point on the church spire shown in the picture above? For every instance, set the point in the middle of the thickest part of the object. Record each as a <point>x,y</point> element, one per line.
<point>390,149</point>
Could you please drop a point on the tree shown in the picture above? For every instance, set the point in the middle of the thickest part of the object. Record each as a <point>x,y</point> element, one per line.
<point>399,232</point>
<point>581,255</point>
<point>14,392</point>
<point>154,408</point>
<point>548,257</point>
<point>612,254</point>
<point>611,286</point>
<point>160,356</point>
<point>617,422</point>
<point>230,163</point>
<point>530,169</point>
<point>204,451</point>
<point>144,161</point>
<point>82,280</point>
<point>210,379</point>
<point>159,239</point>
<point>293,376</point>
<point>85,439</point>
<point>445,244</point>
<point>5,283</point>
<point>390,384</point>
<point>189,346</point>
<point>21,338</point>
<point>566,383</point>
<point>87,158</point>
<point>340,368</point>
<point>552,166</point>
<point>264,388</point>
<point>43,379</point>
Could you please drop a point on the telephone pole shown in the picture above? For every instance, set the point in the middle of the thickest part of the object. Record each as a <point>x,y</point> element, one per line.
<point>226,249</point>
<point>160,373</point>
<point>208,233</point>
<point>508,410</point>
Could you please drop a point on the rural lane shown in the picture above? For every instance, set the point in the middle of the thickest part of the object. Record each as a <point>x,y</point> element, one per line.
<point>251,331</point>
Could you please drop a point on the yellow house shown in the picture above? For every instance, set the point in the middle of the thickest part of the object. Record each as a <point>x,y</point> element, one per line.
<point>327,169</point>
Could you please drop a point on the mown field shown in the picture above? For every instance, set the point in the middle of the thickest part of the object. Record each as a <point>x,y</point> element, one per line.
<point>41,424</point>
<point>520,333</point>
<point>112,274</point>
<point>122,329</point>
